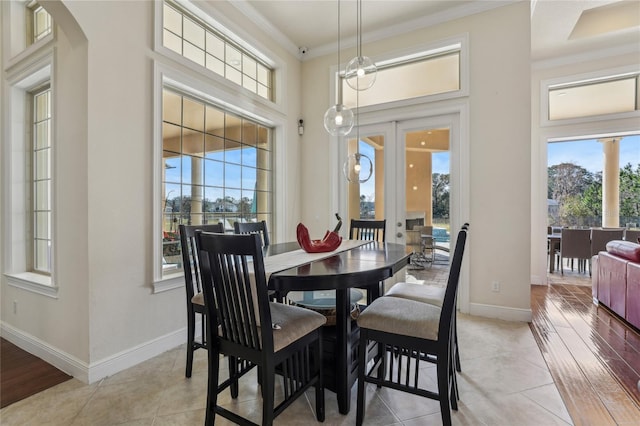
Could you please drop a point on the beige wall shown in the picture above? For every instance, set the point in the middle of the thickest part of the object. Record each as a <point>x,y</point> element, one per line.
<point>499,127</point>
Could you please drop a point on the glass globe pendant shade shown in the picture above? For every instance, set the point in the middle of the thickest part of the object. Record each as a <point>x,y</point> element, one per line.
<point>338,120</point>
<point>361,73</point>
<point>357,168</point>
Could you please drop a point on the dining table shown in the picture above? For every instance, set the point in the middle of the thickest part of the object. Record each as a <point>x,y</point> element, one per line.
<point>553,242</point>
<point>355,264</point>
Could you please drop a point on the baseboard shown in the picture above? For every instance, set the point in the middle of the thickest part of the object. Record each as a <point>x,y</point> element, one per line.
<point>500,312</point>
<point>537,279</point>
<point>100,369</point>
<point>54,356</point>
<point>133,356</point>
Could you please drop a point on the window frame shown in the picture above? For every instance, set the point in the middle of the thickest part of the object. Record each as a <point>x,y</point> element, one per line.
<point>239,37</point>
<point>16,48</point>
<point>169,76</point>
<point>24,78</point>
<point>175,183</point>
<point>35,179</point>
<point>577,80</point>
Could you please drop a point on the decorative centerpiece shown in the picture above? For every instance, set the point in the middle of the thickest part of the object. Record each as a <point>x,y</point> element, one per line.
<point>330,242</point>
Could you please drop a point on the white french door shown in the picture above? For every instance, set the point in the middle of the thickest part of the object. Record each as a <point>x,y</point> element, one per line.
<point>406,156</point>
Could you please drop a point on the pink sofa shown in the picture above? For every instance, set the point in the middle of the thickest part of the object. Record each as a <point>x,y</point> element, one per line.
<point>616,279</point>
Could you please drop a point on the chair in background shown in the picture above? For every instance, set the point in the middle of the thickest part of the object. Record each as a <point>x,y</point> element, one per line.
<point>600,238</point>
<point>414,332</point>
<point>633,236</point>
<point>195,298</point>
<point>253,228</point>
<point>412,223</point>
<point>420,240</point>
<point>367,229</point>
<point>575,244</point>
<point>273,336</point>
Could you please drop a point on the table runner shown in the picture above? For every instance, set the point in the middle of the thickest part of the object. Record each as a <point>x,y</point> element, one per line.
<point>282,261</point>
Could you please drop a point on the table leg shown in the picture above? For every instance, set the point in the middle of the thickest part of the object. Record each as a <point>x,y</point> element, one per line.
<point>343,350</point>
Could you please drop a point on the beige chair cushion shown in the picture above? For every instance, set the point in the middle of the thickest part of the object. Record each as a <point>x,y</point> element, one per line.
<point>402,316</point>
<point>418,292</point>
<point>294,322</point>
<point>198,299</point>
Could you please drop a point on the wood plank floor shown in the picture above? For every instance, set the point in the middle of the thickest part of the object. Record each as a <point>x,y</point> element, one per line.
<point>23,374</point>
<point>592,355</point>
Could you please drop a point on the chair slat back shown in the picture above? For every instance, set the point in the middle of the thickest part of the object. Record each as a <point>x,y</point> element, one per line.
<point>575,243</point>
<point>234,284</point>
<point>633,236</point>
<point>253,228</point>
<point>600,238</point>
<point>448,304</point>
<point>368,230</point>
<point>190,263</point>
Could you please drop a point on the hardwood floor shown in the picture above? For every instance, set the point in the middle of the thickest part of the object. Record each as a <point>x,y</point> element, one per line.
<point>23,374</point>
<point>593,357</point>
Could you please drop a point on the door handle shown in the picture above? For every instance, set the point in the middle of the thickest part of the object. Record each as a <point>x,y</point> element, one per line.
<point>399,235</point>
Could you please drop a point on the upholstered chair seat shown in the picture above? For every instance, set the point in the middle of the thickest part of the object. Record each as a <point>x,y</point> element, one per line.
<point>401,316</point>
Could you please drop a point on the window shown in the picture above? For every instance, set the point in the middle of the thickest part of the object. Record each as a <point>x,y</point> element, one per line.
<point>41,178</point>
<point>586,99</point>
<point>217,168</point>
<point>38,23</point>
<point>429,74</point>
<point>200,43</point>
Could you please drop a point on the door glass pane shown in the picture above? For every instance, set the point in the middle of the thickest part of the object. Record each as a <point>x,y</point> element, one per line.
<point>366,200</point>
<point>427,225</point>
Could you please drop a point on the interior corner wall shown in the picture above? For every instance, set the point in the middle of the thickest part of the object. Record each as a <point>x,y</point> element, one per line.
<point>499,149</point>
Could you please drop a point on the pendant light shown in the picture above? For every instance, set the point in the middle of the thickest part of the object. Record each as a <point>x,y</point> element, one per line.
<point>338,119</point>
<point>361,71</point>
<point>358,167</point>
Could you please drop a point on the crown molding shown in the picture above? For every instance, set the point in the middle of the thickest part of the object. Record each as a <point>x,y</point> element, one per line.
<point>624,49</point>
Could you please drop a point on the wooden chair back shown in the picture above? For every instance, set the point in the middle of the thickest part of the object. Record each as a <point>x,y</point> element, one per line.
<point>367,229</point>
<point>190,263</point>
<point>253,228</point>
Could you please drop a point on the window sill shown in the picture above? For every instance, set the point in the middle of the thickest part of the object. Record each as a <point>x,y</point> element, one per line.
<point>169,282</point>
<point>35,283</point>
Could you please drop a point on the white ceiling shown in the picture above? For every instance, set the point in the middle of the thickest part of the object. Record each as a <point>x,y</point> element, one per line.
<point>312,24</point>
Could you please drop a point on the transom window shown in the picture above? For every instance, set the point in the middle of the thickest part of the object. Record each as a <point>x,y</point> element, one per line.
<point>41,176</point>
<point>198,42</point>
<point>429,74</point>
<point>39,23</point>
<point>602,96</point>
<point>217,168</point>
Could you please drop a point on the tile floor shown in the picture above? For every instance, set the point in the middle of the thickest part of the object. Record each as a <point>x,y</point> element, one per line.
<point>504,381</point>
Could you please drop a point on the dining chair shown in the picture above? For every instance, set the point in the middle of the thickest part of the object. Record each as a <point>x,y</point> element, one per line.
<point>195,298</point>
<point>252,228</point>
<point>412,223</point>
<point>633,236</point>
<point>420,240</point>
<point>368,229</point>
<point>575,244</point>
<point>600,238</point>
<point>408,332</point>
<point>433,295</point>
<point>243,324</point>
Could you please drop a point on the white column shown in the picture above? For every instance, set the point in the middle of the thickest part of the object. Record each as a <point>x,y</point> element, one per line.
<point>611,182</point>
<point>196,191</point>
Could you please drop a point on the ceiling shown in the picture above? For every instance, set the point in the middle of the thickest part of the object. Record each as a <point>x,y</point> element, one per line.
<point>557,29</point>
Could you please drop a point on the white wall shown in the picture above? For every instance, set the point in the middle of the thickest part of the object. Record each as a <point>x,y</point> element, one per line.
<point>106,316</point>
<point>499,129</point>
